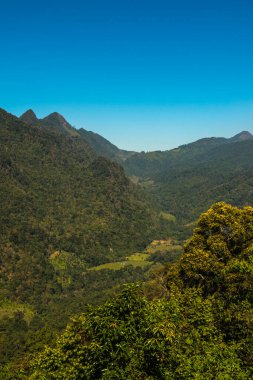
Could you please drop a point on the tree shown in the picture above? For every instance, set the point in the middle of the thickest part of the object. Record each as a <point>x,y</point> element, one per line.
<point>218,260</point>
<point>202,331</point>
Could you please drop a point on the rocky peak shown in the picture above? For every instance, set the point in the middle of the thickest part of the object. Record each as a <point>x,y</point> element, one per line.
<point>29,117</point>
<point>56,119</point>
<point>244,135</point>
<point>58,122</point>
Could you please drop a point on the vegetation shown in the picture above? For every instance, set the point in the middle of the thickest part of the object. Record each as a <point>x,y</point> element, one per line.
<point>98,143</point>
<point>187,180</point>
<point>161,251</point>
<point>63,210</point>
<point>75,229</point>
<point>200,329</point>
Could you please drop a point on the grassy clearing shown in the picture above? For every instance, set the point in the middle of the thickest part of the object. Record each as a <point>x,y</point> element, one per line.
<point>113,266</point>
<point>167,216</point>
<point>141,259</point>
<point>122,264</point>
<point>138,256</point>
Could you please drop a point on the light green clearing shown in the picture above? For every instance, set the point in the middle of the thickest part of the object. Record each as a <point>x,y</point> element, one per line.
<point>140,259</point>
<point>122,264</point>
<point>138,256</point>
<point>167,216</point>
<point>8,309</point>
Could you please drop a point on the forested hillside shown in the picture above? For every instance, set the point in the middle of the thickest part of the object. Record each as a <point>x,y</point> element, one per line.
<point>150,164</point>
<point>222,174</point>
<point>189,179</point>
<point>183,181</point>
<point>75,228</point>
<point>98,143</point>
<point>200,328</point>
<point>63,210</point>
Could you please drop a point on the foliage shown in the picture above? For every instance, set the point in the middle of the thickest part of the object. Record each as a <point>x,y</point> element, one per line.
<point>201,329</point>
<point>63,209</point>
<point>187,180</point>
<point>131,338</point>
<point>219,259</point>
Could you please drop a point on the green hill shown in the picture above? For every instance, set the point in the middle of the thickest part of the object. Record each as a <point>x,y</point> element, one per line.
<point>148,165</point>
<point>98,143</point>
<point>69,215</point>
<point>189,179</point>
<point>63,209</point>
<point>221,174</point>
<point>184,181</point>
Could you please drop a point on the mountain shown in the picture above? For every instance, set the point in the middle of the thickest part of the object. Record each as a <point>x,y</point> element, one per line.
<point>104,147</point>
<point>147,165</point>
<point>242,136</point>
<point>189,179</point>
<point>29,117</point>
<point>65,207</point>
<point>55,176</point>
<point>98,143</point>
<point>184,181</point>
<point>63,210</point>
<point>54,121</point>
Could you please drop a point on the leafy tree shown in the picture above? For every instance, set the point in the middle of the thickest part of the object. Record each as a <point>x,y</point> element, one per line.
<point>201,330</point>
<point>218,259</point>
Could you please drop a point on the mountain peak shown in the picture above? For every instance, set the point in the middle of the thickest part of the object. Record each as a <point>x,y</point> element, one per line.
<point>244,135</point>
<point>29,117</point>
<point>57,121</point>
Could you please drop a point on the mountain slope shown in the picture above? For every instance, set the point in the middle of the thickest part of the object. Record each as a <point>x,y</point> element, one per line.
<point>63,209</point>
<point>61,177</point>
<point>186,180</point>
<point>104,147</point>
<point>98,143</point>
<point>150,164</point>
<point>223,173</point>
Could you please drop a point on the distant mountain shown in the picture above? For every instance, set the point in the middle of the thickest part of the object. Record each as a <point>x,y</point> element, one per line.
<point>98,143</point>
<point>148,165</point>
<point>54,120</point>
<point>29,117</point>
<point>242,136</point>
<point>189,179</point>
<point>103,147</point>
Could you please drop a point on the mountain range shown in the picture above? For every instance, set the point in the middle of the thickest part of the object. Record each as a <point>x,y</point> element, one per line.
<point>63,210</point>
<point>184,181</point>
<point>100,145</point>
<point>71,200</point>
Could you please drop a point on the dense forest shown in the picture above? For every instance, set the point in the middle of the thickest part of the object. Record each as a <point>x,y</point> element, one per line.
<point>80,218</point>
<point>187,180</point>
<point>63,210</point>
<point>200,328</point>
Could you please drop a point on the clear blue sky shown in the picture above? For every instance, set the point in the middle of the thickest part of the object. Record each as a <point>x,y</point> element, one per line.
<point>145,74</point>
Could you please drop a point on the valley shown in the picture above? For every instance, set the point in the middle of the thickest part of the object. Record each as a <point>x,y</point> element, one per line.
<point>80,218</point>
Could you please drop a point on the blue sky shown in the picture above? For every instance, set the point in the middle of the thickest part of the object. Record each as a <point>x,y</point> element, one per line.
<point>146,75</point>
